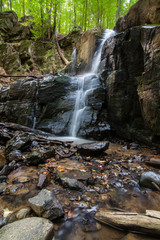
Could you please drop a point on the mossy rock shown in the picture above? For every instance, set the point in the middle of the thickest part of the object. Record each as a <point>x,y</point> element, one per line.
<point>12,64</point>
<point>25,46</point>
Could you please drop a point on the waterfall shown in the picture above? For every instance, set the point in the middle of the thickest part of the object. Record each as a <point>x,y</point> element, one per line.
<point>74,58</point>
<point>87,83</point>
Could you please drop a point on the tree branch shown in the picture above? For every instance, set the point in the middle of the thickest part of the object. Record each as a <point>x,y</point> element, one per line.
<point>64,59</point>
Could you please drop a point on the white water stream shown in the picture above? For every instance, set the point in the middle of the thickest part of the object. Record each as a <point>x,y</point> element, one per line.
<point>87,83</point>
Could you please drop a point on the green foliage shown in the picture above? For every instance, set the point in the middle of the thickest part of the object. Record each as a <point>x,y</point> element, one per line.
<point>63,15</point>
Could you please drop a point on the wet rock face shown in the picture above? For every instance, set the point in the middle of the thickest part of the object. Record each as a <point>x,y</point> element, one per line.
<point>130,70</point>
<point>143,12</point>
<point>85,50</point>
<point>48,104</point>
<point>148,88</point>
<point>44,104</point>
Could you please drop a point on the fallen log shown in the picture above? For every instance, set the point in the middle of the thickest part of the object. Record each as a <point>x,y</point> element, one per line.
<point>147,223</point>
<point>22,76</point>
<point>64,59</point>
<point>153,213</point>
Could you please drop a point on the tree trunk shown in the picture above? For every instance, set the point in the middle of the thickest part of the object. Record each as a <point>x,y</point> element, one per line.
<point>75,16</point>
<point>98,20</point>
<point>54,18</point>
<point>49,20</point>
<point>1,7</point>
<point>42,20</point>
<point>59,18</point>
<point>119,7</point>
<point>82,22</point>
<point>148,223</point>
<point>86,9</point>
<point>10,5</point>
<point>66,62</point>
<point>24,9</point>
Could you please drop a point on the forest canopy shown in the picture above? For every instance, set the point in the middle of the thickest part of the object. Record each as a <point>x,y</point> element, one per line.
<point>62,16</point>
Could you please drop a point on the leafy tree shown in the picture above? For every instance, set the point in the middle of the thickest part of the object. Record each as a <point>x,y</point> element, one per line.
<point>50,16</point>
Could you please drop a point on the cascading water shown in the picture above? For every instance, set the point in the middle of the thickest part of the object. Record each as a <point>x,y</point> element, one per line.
<point>74,56</point>
<point>87,84</point>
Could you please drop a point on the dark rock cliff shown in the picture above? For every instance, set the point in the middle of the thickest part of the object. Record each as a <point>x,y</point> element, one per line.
<point>130,70</point>
<point>48,104</point>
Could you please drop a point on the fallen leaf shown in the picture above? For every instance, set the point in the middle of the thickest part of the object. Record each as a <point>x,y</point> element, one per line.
<point>60,169</point>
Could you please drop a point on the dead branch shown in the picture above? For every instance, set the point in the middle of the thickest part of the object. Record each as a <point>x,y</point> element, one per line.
<point>64,59</point>
<point>21,76</point>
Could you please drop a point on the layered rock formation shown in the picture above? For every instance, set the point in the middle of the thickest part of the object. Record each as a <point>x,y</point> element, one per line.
<point>48,104</point>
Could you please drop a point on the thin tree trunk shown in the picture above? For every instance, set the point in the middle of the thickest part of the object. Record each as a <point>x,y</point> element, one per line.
<point>49,23</point>
<point>49,20</point>
<point>75,16</point>
<point>98,20</point>
<point>42,20</point>
<point>24,9</point>
<point>86,8</point>
<point>1,7</point>
<point>59,18</point>
<point>83,17</point>
<point>54,19</point>
<point>11,5</point>
<point>119,5</point>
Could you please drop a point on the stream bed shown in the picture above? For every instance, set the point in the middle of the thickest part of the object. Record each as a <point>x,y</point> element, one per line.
<point>82,182</point>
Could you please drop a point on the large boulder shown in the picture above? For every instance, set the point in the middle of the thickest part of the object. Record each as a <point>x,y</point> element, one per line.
<point>142,12</point>
<point>29,228</point>
<point>45,204</point>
